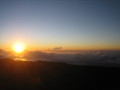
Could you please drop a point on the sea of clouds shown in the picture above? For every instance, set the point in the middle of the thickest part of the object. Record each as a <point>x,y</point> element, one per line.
<point>84,57</point>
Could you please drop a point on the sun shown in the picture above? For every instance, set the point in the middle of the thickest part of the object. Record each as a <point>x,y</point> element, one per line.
<point>19,47</point>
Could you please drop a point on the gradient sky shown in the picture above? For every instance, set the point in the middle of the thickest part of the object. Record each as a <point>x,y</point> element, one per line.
<point>71,24</point>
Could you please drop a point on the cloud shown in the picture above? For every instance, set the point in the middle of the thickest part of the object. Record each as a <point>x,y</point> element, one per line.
<point>57,48</point>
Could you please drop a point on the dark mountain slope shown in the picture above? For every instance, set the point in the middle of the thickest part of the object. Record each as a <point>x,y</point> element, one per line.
<point>23,75</point>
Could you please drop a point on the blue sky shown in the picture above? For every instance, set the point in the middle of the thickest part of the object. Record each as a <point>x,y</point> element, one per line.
<point>72,24</point>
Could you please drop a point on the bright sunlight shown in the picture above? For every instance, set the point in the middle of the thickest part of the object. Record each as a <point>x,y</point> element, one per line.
<point>19,47</point>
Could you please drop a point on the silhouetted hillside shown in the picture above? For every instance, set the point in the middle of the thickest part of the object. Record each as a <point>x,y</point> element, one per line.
<point>42,75</point>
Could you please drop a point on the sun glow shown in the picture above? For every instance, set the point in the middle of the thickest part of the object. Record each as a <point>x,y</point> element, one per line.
<point>19,47</point>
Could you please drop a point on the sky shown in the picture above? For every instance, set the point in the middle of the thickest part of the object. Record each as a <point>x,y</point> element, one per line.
<point>69,24</point>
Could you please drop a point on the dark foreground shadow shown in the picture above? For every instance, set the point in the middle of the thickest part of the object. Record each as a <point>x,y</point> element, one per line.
<point>41,75</point>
